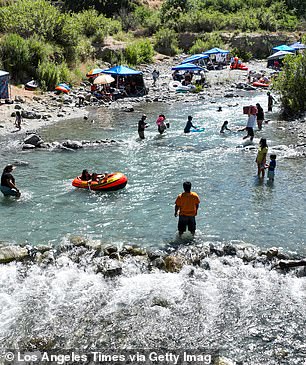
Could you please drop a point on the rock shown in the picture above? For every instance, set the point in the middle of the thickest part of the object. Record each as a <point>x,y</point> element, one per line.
<point>109,268</point>
<point>37,98</point>
<point>108,250</point>
<point>272,252</point>
<point>28,147</point>
<point>74,145</point>
<point>43,248</point>
<point>78,241</point>
<point>159,263</point>
<point>155,254</point>
<point>93,245</point>
<point>12,253</point>
<point>229,250</point>
<point>229,95</point>
<point>30,115</point>
<point>18,107</point>
<point>173,263</point>
<point>33,139</point>
<point>223,361</point>
<point>19,99</point>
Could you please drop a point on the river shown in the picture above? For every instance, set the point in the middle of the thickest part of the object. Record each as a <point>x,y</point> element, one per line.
<point>249,314</point>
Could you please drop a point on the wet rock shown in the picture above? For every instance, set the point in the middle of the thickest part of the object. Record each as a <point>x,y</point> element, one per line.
<point>108,250</point>
<point>161,302</point>
<point>33,139</point>
<point>43,248</point>
<point>28,147</point>
<point>78,241</point>
<point>40,343</point>
<point>155,254</point>
<point>159,263</point>
<point>17,107</point>
<point>74,145</point>
<point>204,264</point>
<point>271,253</point>
<point>223,361</point>
<point>12,253</point>
<point>173,263</point>
<point>133,251</point>
<point>230,250</point>
<point>93,245</point>
<point>216,250</point>
<point>109,268</point>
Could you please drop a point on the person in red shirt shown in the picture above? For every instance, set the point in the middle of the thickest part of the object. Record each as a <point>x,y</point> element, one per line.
<point>187,205</point>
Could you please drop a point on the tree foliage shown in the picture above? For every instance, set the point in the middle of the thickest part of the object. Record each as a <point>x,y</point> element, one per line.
<point>291,85</point>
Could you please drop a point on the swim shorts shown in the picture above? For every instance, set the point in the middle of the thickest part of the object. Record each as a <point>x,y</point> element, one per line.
<point>186,221</point>
<point>6,191</point>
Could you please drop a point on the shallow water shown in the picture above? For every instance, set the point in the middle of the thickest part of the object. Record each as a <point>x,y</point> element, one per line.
<point>252,315</point>
<point>234,203</point>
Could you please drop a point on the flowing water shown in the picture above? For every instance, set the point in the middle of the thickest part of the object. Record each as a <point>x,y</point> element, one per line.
<point>248,313</point>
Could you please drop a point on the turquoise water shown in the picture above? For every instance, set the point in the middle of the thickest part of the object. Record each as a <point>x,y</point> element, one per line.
<point>235,205</point>
<point>250,313</point>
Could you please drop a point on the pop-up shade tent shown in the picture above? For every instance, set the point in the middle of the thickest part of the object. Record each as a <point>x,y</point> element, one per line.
<point>121,71</point>
<point>279,55</point>
<point>4,85</point>
<point>298,45</point>
<point>187,67</point>
<point>216,51</point>
<point>129,79</point>
<point>283,47</point>
<point>195,57</point>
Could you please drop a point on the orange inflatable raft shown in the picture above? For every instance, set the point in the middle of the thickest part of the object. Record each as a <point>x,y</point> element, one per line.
<point>260,84</point>
<point>111,182</point>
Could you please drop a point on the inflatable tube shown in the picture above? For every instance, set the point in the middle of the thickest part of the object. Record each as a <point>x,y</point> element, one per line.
<point>62,89</point>
<point>173,85</point>
<point>112,182</point>
<point>197,130</point>
<point>260,84</point>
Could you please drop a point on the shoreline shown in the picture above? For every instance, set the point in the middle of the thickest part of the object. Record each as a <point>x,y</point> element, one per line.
<point>52,109</point>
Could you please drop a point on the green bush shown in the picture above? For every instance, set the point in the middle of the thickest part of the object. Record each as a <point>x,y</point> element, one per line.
<point>139,52</point>
<point>50,74</point>
<point>242,54</point>
<point>199,21</point>
<point>166,42</point>
<point>15,56</point>
<point>208,41</point>
<point>291,85</point>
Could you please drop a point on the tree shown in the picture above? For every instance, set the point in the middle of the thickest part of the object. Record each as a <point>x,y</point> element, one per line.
<point>291,85</point>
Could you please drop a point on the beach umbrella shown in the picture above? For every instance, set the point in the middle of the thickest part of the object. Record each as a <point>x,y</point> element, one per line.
<point>283,47</point>
<point>216,51</point>
<point>187,67</point>
<point>195,57</point>
<point>298,45</point>
<point>94,72</point>
<point>279,55</point>
<point>103,79</point>
<point>66,86</point>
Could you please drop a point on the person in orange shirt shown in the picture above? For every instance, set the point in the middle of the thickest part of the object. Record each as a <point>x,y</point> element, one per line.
<point>187,205</point>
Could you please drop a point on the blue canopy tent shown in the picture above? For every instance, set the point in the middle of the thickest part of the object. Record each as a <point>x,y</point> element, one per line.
<point>4,85</point>
<point>129,79</point>
<point>278,56</point>
<point>216,51</point>
<point>195,57</point>
<point>297,46</point>
<point>283,47</point>
<point>187,67</point>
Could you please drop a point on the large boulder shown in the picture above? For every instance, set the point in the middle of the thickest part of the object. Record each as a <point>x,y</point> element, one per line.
<point>12,253</point>
<point>33,139</point>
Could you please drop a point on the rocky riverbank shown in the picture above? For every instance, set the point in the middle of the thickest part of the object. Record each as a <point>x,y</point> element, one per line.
<point>110,260</point>
<point>42,110</point>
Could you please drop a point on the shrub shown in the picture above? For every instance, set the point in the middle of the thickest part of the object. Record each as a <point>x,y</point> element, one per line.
<point>15,55</point>
<point>242,54</point>
<point>207,42</point>
<point>139,52</point>
<point>166,42</point>
<point>199,21</point>
<point>291,85</point>
<point>50,74</point>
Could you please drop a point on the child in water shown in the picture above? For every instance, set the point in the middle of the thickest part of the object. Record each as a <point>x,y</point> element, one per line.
<point>224,127</point>
<point>261,157</point>
<point>271,167</point>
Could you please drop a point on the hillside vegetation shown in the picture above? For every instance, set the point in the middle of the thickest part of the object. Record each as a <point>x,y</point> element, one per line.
<point>47,40</point>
